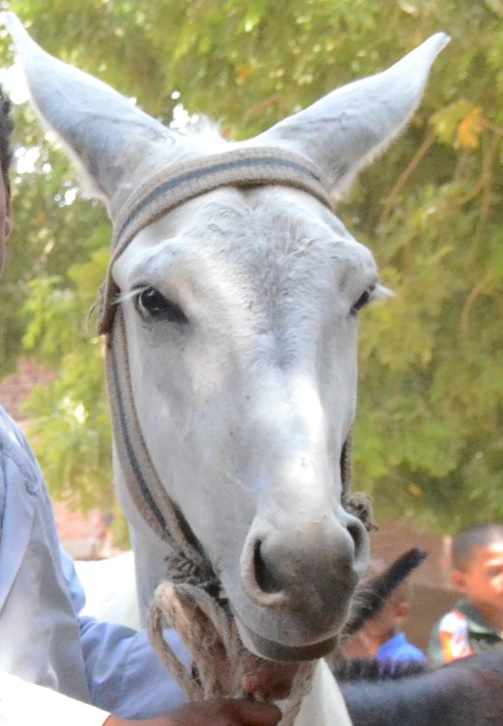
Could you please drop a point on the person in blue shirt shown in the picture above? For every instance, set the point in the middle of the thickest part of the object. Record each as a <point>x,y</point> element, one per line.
<point>382,636</point>
<point>58,668</point>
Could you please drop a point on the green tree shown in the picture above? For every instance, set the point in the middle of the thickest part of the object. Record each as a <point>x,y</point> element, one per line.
<point>428,443</point>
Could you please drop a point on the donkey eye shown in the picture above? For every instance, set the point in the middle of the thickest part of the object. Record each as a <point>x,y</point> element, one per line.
<point>363,300</point>
<point>153,306</point>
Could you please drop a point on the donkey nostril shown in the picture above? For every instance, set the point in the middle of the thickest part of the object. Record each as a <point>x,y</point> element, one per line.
<point>355,533</point>
<point>358,534</point>
<point>263,576</point>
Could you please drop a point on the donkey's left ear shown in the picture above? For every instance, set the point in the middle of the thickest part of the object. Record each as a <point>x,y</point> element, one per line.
<point>343,131</point>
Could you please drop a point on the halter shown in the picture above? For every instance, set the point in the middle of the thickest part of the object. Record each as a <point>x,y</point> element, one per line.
<point>182,182</point>
<point>162,193</point>
<point>191,597</point>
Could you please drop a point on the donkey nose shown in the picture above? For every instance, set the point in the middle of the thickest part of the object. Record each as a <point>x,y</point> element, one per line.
<point>302,562</point>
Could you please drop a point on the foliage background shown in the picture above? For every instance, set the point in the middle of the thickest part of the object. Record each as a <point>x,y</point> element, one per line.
<point>428,442</point>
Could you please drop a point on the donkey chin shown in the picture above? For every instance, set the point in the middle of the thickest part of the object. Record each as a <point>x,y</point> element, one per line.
<point>296,638</point>
<point>298,626</point>
<point>273,650</point>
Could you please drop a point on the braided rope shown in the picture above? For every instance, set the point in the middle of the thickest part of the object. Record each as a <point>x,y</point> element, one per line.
<point>220,660</point>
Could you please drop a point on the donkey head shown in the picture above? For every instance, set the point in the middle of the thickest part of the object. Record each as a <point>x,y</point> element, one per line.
<point>240,311</point>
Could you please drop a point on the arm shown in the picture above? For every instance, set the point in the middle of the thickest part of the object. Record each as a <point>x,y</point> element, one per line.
<point>224,712</point>
<point>124,674</point>
<point>450,639</point>
<point>22,703</point>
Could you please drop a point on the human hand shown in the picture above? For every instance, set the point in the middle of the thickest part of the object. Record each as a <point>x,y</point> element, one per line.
<point>268,679</point>
<point>222,712</point>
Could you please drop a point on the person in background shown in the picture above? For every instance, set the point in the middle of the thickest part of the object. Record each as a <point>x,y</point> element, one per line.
<point>475,624</point>
<point>382,637</point>
<point>56,667</point>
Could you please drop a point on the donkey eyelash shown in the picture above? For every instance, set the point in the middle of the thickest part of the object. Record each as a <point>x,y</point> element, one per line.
<point>381,293</point>
<point>132,294</point>
<point>373,292</point>
<point>123,297</point>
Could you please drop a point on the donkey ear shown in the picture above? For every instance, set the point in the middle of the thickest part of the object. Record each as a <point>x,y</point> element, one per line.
<point>343,131</point>
<point>114,144</point>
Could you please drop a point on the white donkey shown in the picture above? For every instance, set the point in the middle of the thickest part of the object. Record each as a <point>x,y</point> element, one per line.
<point>231,312</point>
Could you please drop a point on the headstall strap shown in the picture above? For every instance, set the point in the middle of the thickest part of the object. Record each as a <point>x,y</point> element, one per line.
<point>140,475</point>
<point>179,183</point>
<point>356,503</point>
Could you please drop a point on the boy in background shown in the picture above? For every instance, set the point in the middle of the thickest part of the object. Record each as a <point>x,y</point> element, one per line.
<point>476,622</point>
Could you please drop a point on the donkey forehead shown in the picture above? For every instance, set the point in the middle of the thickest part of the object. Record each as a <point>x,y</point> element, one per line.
<point>250,235</point>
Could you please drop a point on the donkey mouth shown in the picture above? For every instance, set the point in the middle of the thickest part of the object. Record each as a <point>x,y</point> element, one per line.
<point>272,650</point>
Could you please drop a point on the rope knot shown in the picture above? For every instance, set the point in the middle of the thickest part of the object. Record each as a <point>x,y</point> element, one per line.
<point>221,664</point>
